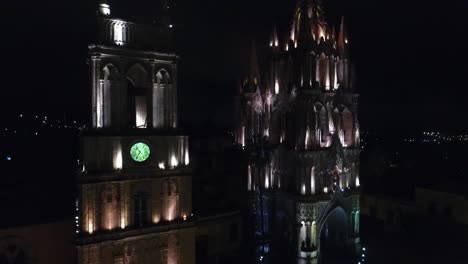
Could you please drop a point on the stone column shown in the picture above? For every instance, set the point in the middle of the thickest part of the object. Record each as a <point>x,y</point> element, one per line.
<point>95,72</point>
<point>153,102</point>
<point>174,111</point>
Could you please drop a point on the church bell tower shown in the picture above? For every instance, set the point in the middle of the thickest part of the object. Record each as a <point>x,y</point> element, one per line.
<point>134,203</point>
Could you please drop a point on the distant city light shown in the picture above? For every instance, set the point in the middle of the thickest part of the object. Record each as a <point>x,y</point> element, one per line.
<point>8,158</point>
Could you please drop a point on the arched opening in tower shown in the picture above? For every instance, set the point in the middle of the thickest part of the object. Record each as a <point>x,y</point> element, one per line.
<point>334,246</point>
<point>137,94</point>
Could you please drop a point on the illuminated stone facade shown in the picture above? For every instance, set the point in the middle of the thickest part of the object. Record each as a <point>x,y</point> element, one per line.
<point>305,106</point>
<point>134,206</point>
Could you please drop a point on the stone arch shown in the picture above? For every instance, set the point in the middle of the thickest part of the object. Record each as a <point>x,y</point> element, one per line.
<point>137,95</point>
<point>110,72</point>
<point>333,234</point>
<point>163,77</point>
<point>138,75</point>
<point>343,122</point>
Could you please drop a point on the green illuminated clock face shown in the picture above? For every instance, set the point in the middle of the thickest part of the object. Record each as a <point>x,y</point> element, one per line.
<point>139,152</point>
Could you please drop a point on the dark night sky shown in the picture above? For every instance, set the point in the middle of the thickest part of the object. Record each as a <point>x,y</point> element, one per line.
<point>410,57</point>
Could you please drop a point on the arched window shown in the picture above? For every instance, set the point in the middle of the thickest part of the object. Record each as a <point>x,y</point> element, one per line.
<point>323,70</point>
<point>302,236</point>
<point>137,96</point>
<point>108,84</point>
<point>347,117</point>
<point>110,73</point>
<point>322,123</point>
<point>163,77</point>
<point>160,97</point>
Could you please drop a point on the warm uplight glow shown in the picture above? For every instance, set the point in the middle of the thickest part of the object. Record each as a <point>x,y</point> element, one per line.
<point>276,87</point>
<point>161,165</point>
<point>140,113</point>
<point>243,136</point>
<point>187,160</point>
<point>312,180</point>
<point>303,188</point>
<point>341,136</point>
<point>174,162</point>
<point>156,218</point>
<point>118,157</point>
<point>90,227</point>
<point>185,217</point>
<point>271,43</point>
<point>325,189</point>
<point>346,41</point>
<point>249,178</point>
<point>357,181</point>
<point>287,47</point>
<point>306,143</point>
<point>267,180</point>
<point>122,222</point>
<point>276,43</point>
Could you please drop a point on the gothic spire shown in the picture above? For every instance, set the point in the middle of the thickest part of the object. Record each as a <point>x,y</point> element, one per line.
<point>164,13</point>
<point>305,32</point>
<point>252,80</point>
<point>274,39</point>
<point>342,38</point>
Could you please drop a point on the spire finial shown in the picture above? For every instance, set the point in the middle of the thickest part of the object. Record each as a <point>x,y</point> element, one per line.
<point>104,8</point>
<point>342,37</point>
<point>252,80</point>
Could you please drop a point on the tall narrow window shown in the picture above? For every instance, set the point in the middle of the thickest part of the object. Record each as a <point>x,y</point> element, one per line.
<point>137,96</point>
<point>110,207</point>
<point>140,209</point>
